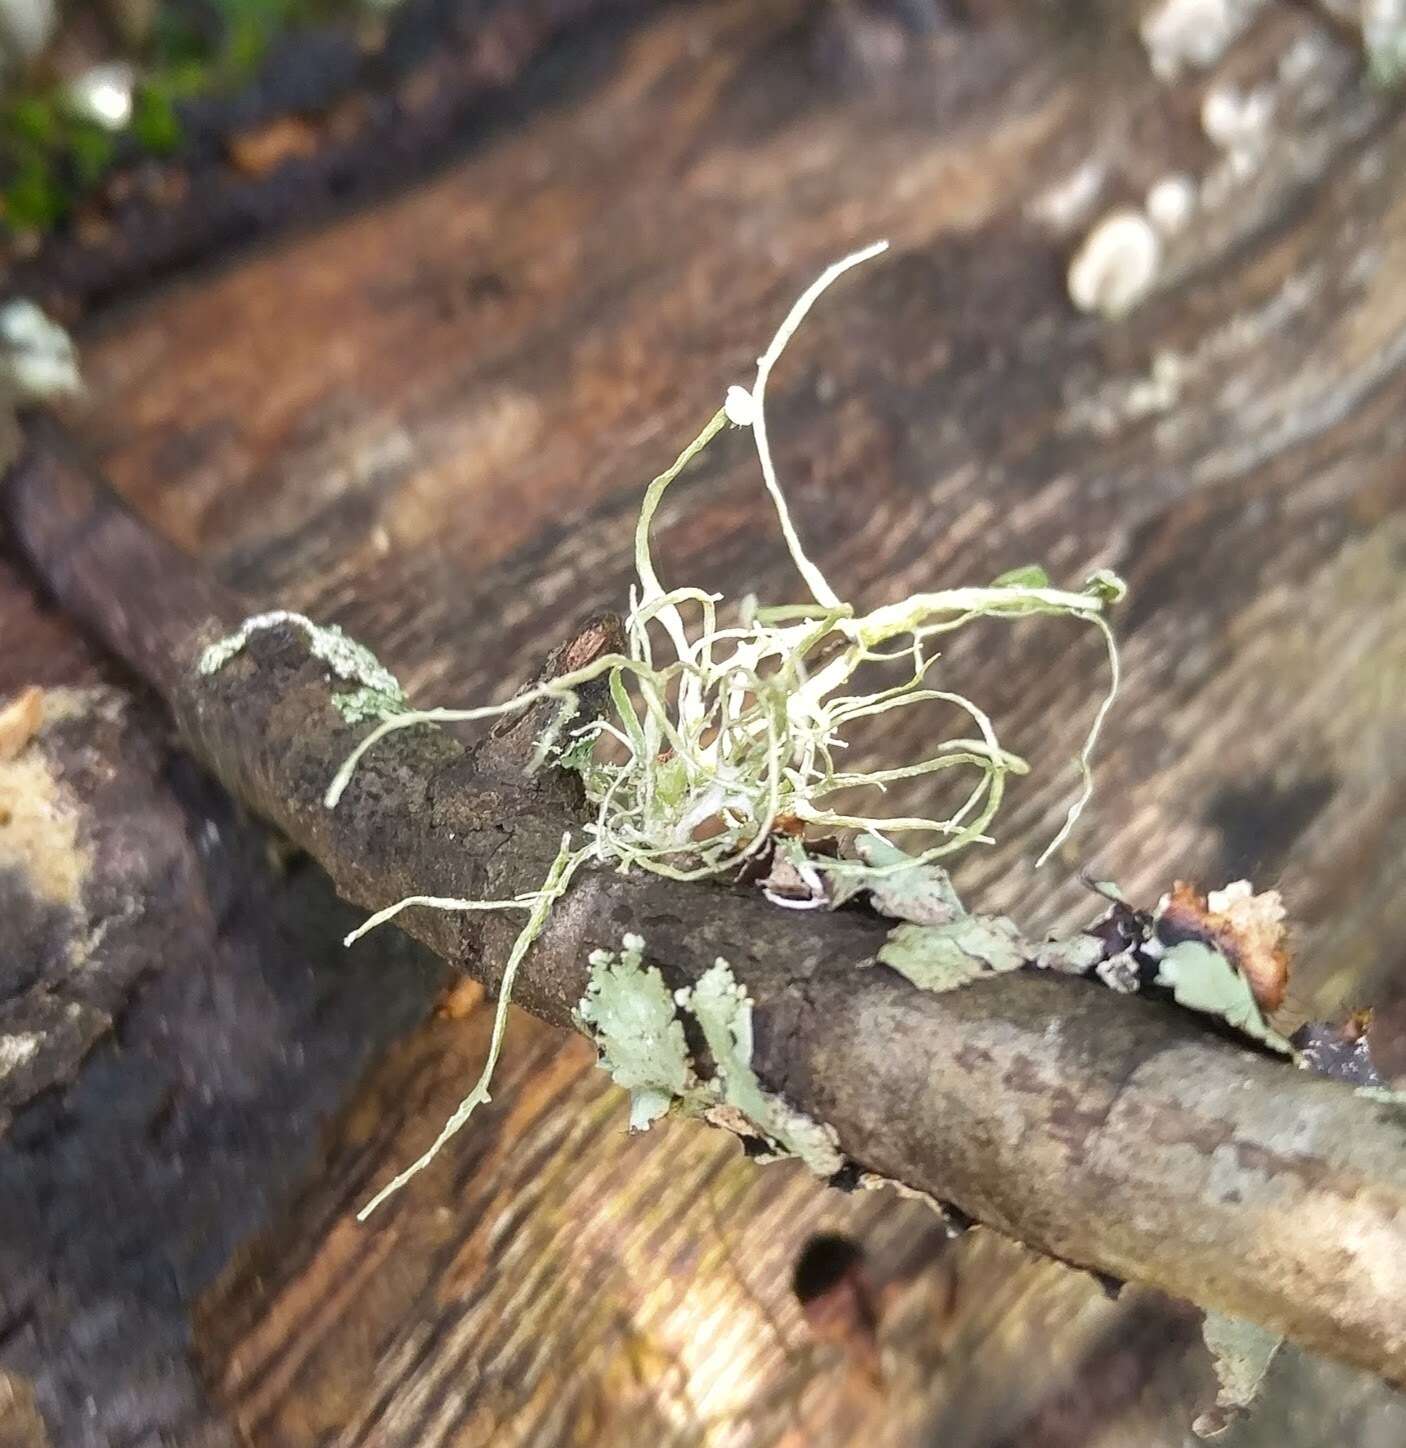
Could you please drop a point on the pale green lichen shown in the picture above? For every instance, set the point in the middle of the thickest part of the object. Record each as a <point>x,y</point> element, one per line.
<point>724,1011</point>
<point>629,1012</point>
<point>1074,956</point>
<point>630,1015</point>
<point>1241,1353</point>
<point>945,957</point>
<point>937,946</point>
<point>378,694</point>
<point>1202,979</point>
<point>715,733</point>
<point>902,887</point>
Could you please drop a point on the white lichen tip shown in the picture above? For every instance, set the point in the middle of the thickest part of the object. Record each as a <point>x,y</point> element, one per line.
<point>739,407</point>
<point>1117,264</point>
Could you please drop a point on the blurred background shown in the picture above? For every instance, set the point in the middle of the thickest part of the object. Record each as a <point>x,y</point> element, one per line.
<point>386,311</point>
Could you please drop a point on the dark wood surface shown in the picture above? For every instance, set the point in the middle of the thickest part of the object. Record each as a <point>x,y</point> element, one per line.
<point>430,422</point>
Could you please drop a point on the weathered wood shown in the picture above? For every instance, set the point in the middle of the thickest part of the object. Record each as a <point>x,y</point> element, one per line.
<point>176,1020</point>
<point>1099,1128</point>
<point>334,115</point>
<point>410,417</point>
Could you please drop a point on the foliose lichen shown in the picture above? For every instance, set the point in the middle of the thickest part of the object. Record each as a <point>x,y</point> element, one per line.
<point>629,1013</point>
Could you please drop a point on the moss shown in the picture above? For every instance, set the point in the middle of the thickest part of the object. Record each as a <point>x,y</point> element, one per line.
<point>53,158</point>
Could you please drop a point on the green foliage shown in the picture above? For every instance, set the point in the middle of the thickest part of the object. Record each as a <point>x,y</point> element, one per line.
<point>52,156</point>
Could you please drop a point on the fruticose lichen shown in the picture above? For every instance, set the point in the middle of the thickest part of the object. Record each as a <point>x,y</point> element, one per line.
<point>717,732</point>
<point>632,1017</point>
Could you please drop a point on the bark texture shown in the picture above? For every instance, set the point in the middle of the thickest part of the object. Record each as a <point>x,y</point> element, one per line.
<point>429,423</point>
<point>1102,1129</point>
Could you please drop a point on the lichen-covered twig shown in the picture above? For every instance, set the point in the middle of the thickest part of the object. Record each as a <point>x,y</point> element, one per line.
<point>1107,1130</point>
<point>710,735</point>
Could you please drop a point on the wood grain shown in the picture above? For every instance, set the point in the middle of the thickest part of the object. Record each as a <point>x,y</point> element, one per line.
<point>430,422</point>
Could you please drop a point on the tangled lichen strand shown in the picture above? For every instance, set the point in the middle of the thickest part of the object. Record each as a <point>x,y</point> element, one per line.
<point>715,732</point>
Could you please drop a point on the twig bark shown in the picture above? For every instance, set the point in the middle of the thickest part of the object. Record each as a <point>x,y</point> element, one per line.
<point>1109,1131</point>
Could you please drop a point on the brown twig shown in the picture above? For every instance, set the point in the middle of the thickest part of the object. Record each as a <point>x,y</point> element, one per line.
<point>1109,1131</point>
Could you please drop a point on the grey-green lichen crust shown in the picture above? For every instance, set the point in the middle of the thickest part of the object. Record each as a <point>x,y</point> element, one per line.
<point>938,945</point>
<point>630,1015</point>
<point>1241,1353</point>
<point>378,692</point>
<point>629,1012</point>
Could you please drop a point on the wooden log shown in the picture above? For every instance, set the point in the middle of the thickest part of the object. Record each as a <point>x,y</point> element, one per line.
<point>1102,1129</point>
<point>464,399</point>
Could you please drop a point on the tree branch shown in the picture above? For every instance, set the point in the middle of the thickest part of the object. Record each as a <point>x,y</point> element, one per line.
<point>1109,1131</point>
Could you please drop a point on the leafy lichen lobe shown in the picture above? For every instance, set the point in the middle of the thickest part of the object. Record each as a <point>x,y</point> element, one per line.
<point>630,1014</point>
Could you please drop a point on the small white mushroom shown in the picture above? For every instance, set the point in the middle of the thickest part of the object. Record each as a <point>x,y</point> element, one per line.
<point>1182,33</point>
<point>1117,264</point>
<point>37,354</point>
<point>1237,121</point>
<point>103,94</point>
<point>1170,203</point>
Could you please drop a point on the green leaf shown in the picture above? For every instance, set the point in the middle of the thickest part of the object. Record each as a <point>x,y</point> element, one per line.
<point>1202,979</point>
<point>946,957</point>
